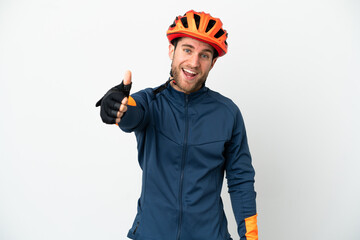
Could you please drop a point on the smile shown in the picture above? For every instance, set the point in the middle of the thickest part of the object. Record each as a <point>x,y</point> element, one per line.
<point>188,73</point>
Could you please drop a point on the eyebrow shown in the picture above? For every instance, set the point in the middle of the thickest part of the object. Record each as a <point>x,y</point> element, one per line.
<point>192,47</point>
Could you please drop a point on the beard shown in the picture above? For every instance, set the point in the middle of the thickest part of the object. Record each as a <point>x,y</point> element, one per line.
<point>181,85</point>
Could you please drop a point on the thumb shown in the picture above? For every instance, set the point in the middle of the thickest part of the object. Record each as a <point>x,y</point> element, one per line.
<point>127,85</point>
<point>127,77</point>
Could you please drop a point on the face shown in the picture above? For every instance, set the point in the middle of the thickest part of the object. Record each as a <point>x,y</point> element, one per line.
<point>192,61</point>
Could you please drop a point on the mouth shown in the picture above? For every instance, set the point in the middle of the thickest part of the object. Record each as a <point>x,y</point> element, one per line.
<point>189,74</point>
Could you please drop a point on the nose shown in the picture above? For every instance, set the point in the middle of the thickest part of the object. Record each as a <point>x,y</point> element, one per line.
<point>194,61</point>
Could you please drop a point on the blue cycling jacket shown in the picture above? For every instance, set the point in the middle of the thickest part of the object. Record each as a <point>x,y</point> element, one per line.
<point>185,145</point>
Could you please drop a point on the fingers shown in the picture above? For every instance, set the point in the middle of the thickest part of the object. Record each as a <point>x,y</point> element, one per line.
<point>114,102</point>
<point>122,110</point>
<point>108,118</point>
<point>127,77</point>
<point>123,106</point>
<point>125,101</point>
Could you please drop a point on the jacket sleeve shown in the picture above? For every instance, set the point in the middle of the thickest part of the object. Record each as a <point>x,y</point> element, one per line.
<point>240,178</point>
<point>136,117</point>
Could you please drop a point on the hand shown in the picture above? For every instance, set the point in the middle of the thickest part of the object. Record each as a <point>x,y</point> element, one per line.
<point>115,101</point>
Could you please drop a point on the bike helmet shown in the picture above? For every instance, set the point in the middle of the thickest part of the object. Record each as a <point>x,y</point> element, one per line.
<point>200,26</point>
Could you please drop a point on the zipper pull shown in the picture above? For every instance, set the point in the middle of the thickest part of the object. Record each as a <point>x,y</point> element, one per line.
<point>137,225</point>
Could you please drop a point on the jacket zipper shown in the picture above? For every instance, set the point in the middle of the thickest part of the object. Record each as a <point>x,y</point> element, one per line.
<point>183,164</point>
<point>137,225</point>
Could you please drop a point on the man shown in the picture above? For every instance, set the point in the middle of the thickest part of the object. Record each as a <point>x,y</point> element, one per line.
<point>188,136</point>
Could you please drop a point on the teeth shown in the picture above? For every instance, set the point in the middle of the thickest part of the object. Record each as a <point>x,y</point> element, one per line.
<point>191,72</point>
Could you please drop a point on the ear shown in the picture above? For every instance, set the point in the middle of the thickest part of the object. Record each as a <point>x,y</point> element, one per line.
<point>171,51</point>
<point>213,62</point>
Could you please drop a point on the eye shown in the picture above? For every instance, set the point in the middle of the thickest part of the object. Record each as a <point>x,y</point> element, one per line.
<point>187,50</point>
<point>206,56</point>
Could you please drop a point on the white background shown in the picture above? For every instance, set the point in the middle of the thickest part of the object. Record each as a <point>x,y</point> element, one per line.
<point>292,68</point>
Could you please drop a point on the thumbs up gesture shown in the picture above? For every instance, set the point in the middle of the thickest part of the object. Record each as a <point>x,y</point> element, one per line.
<point>114,103</point>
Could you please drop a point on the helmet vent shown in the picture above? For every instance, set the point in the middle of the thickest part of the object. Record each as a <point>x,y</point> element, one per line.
<point>184,22</point>
<point>210,25</point>
<point>173,25</point>
<point>197,20</point>
<point>219,33</point>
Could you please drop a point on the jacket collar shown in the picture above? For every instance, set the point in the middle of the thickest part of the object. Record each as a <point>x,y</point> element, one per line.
<point>181,98</point>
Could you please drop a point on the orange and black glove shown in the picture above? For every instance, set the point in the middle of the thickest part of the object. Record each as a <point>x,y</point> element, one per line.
<point>110,103</point>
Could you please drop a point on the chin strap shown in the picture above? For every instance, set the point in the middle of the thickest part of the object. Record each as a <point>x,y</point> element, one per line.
<point>162,87</point>
<point>171,78</point>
